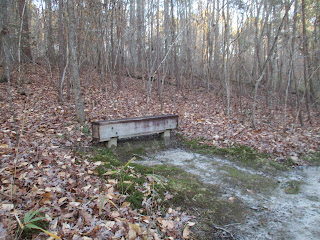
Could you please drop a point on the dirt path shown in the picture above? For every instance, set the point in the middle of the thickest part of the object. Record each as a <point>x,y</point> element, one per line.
<point>283,205</point>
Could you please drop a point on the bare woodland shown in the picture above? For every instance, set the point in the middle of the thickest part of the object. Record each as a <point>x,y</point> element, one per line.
<point>235,71</point>
<point>260,49</point>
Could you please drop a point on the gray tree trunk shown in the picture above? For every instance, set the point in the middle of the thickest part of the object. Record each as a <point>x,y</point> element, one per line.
<point>50,40</point>
<point>305,59</point>
<point>4,30</point>
<point>74,68</point>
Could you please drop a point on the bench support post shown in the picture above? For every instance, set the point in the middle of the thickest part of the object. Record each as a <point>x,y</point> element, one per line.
<point>113,142</point>
<point>166,137</point>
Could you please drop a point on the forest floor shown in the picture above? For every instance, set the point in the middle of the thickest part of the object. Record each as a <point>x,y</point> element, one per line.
<point>43,170</point>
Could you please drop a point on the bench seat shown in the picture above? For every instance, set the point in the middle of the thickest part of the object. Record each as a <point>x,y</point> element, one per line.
<point>111,130</point>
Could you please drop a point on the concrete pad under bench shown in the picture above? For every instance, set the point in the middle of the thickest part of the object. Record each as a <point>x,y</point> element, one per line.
<point>111,130</point>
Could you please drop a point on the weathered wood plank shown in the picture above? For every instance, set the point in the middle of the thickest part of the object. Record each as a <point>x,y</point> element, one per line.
<point>131,127</point>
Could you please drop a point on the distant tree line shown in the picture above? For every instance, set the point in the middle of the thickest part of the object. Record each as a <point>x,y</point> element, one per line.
<point>258,50</point>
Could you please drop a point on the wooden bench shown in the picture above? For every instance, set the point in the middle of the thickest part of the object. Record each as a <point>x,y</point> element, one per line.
<point>111,130</point>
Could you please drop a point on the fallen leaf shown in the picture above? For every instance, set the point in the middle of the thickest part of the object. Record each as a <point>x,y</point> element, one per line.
<point>7,207</point>
<point>186,232</point>
<point>74,204</point>
<point>86,216</point>
<point>125,204</point>
<point>250,191</point>
<point>168,224</point>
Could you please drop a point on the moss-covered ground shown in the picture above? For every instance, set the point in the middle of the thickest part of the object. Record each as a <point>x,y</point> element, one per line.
<point>249,182</point>
<point>186,190</point>
<point>242,155</point>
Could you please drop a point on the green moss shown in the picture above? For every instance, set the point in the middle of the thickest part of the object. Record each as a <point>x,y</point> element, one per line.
<point>105,155</point>
<point>224,212</point>
<point>138,168</point>
<point>314,159</point>
<point>3,79</point>
<point>138,147</point>
<point>242,155</point>
<point>86,130</point>
<point>188,192</point>
<point>130,179</point>
<point>135,196</point>
<point>135,199</point>
<point>246,181</point>
<point>293,187</point>
<point>313,198</point>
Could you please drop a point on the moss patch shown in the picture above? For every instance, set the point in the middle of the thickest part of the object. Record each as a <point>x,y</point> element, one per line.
<point>242,155</point>
<point>130,179</point>
<point>313,198</point>
<point>314,159</point>
<point>247,181</point>
<point>187,191</point>
<point>138,147</point>
<point>293,187</point>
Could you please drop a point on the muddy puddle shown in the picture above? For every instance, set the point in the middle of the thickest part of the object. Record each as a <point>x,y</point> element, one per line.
<point>279,205</point>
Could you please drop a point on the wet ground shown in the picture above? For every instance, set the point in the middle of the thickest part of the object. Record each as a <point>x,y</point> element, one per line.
<point>282,204</point>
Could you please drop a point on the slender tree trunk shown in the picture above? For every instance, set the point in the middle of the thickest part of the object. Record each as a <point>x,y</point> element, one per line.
<point>174,52</point>
<point>305,59</point>
<point>263,69</point>
<point>4,30</point>
<point>25,34</point>
<point>20,43</point>
<point>61,52</point>
<point>226,59</point>
<point>139,35</point>
<point>291,65</point>
<point>119,45</point>
<point>74,68</point>
<point>4,33</point>
<point>216,56</point>
<point>50,40</point>
<point>133,52</point>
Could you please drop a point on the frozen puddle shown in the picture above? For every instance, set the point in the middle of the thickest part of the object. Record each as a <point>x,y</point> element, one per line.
<point>276,214</point>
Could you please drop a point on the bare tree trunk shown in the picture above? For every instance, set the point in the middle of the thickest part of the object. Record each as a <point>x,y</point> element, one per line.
<point>216,57</point>
<point>174,70</point>
<point>226,59</point>
<point>133,45</point>
<point>305,59</point>
<point>263,69</point>
<point>50,40</point>
<point>140,35</point>
<point>291,65</point>
<point>20,43</point>
<point>4,30</point>
<point>61,51</point>
<point>25,34</point>
<point>74,68</point>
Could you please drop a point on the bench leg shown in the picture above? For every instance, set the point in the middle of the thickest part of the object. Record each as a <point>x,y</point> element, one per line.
<point>112,142</point>
<point>166,137</point>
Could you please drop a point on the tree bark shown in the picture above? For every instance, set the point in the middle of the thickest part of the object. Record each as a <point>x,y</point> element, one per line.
<point>50,39</point>
<point>74,68</point>
<point>61,52</point>
<point>305,59</point>
<point>25,34</point>
<point>263,69</point>
<point>4,28</point>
